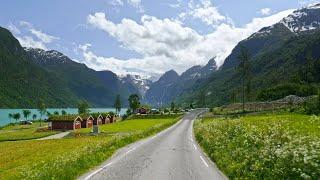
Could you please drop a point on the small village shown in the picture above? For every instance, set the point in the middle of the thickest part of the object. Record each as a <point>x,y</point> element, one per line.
<point>72,122</point>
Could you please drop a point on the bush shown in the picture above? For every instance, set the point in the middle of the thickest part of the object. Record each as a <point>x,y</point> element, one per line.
<point>312,106</point>
<point>281,91</point>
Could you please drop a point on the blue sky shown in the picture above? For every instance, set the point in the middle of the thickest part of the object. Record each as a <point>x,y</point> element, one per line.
<point>141,36</point>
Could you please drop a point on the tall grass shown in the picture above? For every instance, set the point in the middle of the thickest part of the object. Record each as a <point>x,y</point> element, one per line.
<point>263,146</point>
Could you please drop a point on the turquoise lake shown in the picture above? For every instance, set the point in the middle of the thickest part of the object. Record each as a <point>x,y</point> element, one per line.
<point>4,119</point>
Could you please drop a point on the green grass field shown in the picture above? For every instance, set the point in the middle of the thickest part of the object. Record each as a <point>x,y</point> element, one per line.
<point>24,132</point>
<point>267,146</point>
<point>129,126</point>
<point>70,157</point>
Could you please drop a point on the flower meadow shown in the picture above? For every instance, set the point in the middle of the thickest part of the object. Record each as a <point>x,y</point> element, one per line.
<point>268,146</point>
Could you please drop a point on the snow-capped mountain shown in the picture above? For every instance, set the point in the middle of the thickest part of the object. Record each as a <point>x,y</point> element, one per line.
<point>139,82</point>
<point>47,57</point>
<point>302,20</point>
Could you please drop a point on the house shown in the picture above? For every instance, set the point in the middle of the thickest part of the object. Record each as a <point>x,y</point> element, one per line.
<point>105,119</point>
<point>66,122</point>
<point>98,119</point>
<point>108,119</point>
<point>87,121</point>
<point>143,110</point>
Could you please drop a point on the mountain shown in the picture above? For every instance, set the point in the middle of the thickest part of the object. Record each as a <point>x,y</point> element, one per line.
<point>99,88</point>
<point>170,85</point>
<point>23,83</point>
<point>285,59</point>
<point>30,76</point>
<point>136,84</point>
<point>160,91</point>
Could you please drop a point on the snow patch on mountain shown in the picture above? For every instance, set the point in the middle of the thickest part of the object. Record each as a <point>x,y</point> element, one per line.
<point>51,56</point>
<point>302,20</point>
<point>140,82</point>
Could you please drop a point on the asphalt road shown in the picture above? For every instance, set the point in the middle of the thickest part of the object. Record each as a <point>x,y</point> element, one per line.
<point>170,155</point>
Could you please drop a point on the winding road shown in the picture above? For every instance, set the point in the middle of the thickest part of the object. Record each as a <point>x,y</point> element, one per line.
<point>172,154</point>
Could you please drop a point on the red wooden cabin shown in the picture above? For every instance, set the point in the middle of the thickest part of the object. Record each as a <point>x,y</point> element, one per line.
<point>68,122</point>
<point>87,121</point>
<point>97,119</point>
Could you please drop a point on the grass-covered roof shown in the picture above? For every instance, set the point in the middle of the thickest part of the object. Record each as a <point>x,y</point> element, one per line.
<point>85,116</point>
<point>71,117</point>
<point>96,115</point>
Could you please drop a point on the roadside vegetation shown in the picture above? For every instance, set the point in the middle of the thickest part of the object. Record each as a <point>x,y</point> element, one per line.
<point>72,156</point>
<point>279,145</point>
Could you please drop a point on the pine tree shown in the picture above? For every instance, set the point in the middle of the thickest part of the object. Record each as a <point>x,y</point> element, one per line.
<point>172,106</point>
<point>244,71</point>
<point>117,104</point>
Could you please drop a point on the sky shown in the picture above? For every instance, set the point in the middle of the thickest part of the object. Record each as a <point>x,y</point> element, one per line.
<point>146,37</point>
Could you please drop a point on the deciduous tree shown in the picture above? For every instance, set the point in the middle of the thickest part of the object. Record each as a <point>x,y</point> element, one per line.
<point>26,114</point>
<point>83,107</point>
<point>134,102</point>
<point>16,116</point>
<point>42,111</point>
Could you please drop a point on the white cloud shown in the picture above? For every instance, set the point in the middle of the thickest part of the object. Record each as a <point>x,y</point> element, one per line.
<point>43,36</point>
<point>116,2</point>
<point>306,3</point>
<point>136,4</point>
<point>39,38</point>
<point>166,44</point>
<point>203,10</point>
<point>14,29</point>
<point>265,11</point>
<point>84,47</point>
<point>27,41</point>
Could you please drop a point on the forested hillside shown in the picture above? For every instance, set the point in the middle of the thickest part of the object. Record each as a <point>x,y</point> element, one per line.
<point>23,83</point>
<point>33,76</point>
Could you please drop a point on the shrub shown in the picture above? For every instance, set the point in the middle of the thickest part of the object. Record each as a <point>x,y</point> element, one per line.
<point>312,106</point>
<point>281,91</point>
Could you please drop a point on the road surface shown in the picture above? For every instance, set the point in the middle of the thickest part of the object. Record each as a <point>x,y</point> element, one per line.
<point>170,155</point>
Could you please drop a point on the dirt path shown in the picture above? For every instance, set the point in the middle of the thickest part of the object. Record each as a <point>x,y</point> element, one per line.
<point>56,136</point>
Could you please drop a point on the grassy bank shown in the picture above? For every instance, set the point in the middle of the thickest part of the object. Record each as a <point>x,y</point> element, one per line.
<point>73,156</point>
<point>277,146</point>
<point>24,132</point>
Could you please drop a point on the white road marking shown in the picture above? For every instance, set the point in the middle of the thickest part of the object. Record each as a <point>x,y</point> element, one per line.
<point>195,147</point>
<point>107,165</point>
<point>205,163</point>
<point>92,174</point>
<point>159,134</point>
<point>191,139</point>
